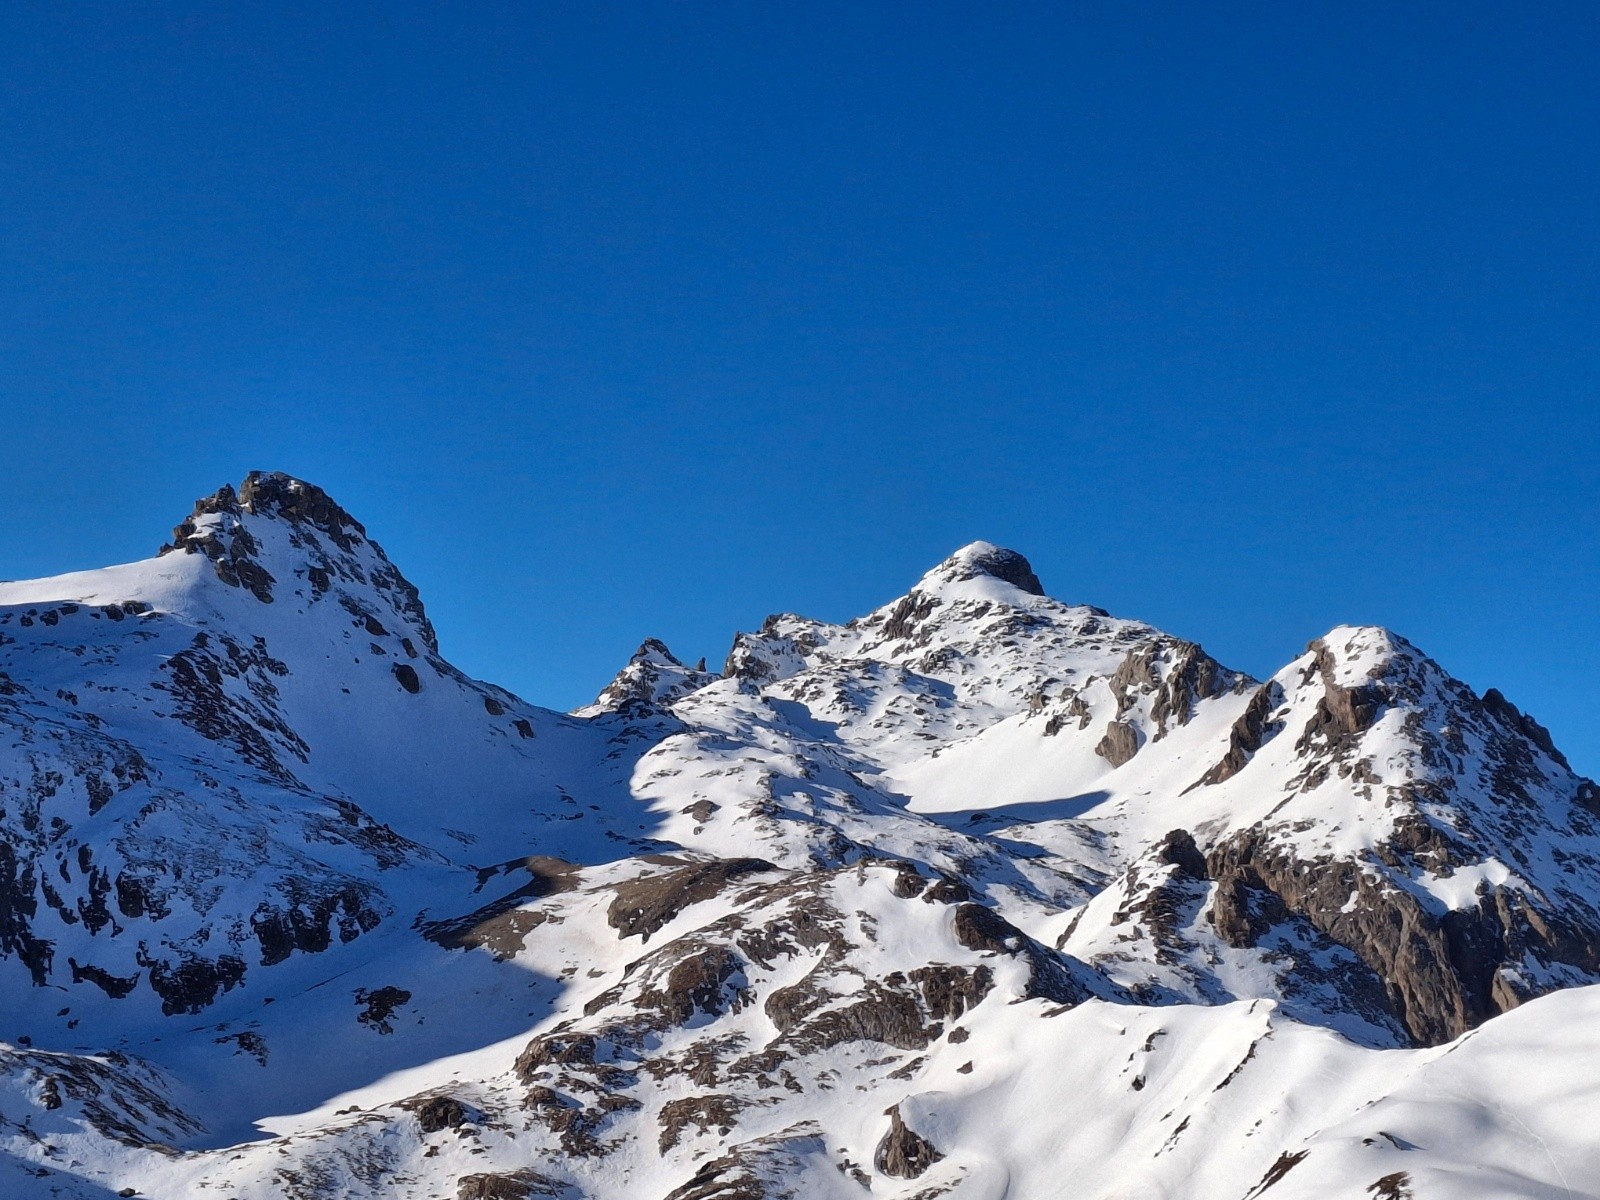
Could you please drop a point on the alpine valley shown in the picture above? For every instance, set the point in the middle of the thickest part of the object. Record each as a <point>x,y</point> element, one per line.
<point>983,895</point>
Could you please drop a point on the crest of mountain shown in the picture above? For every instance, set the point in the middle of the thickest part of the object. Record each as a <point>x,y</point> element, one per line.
<point>977,893</point>
<point>653,679</point>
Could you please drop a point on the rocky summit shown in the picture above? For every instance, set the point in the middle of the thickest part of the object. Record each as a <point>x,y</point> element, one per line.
<point>982,894</point>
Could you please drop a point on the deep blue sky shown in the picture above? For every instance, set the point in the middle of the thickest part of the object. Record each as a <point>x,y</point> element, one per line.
<point>648,319</point>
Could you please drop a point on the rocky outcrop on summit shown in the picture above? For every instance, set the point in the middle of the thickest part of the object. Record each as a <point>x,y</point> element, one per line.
<point>983,559</point>
<point>652,681</point>
<point>300,503</point>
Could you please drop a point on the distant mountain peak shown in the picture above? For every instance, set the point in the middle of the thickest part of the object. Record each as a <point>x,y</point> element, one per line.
<point>654,678</point>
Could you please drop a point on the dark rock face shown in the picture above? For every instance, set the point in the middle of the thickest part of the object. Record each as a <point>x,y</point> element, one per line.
<point>1176,675</point>
<point>948,991</point>
<point>192,983</point>
<point>379,1005</point>
<point>905,620</point>
<point>983,929</point>
<point>1519,722</point>
<point>1050,975</point>
<point>310,919</point>
<point>112,985</point>
<point>1179,850</point>
<point>18,904</point>
<point>1119,743</point>
<point>1249,733</point>
<point>699,985</point>
<point>297,501</point>
<point>1244,909</point>
<point>406,675</point>
<point>1286,1162</point>
<point>555,1048</point>
<point>229,545</point>
<point>1343,714</point>
<point>1444,974</point>
<point>887,1012</point>
<point>1192,677</point>
<point>904,1154</point>
<point>688,981</point>
<point>1075,711</point>
<point>706,1113</point>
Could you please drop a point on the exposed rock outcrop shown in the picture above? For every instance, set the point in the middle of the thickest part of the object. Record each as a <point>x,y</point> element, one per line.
<point>517,1185</point>
<point>1520,722</point>
<point>652,680</point>
<point>1118,744</point>
<point>903,1153</point>
<point>981,559</point>
<point>644,905</point>
<point>1444,972</point>
<point>1248,734</point>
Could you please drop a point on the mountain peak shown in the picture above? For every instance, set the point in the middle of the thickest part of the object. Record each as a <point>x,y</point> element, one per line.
<point>276,527</point>
<point>985,560</point>
<point>655,650</point>
<point>653,678</point>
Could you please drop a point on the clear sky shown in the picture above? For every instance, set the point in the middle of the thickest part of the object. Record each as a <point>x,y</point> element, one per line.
<point>649,319</point>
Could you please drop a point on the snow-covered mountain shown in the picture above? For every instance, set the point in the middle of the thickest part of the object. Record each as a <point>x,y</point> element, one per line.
<point>982,894</point>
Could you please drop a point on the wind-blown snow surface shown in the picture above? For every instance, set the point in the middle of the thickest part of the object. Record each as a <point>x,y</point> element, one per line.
<point>982,894</point>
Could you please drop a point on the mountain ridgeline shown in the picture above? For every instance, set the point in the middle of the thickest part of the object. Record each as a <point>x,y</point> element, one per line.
<point>978,894</point>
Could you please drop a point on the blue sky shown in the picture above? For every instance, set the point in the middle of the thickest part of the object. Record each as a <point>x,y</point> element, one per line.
<point>626,320</point>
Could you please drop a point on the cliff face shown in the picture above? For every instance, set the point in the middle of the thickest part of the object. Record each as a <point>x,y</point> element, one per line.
<point>979,891</point>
